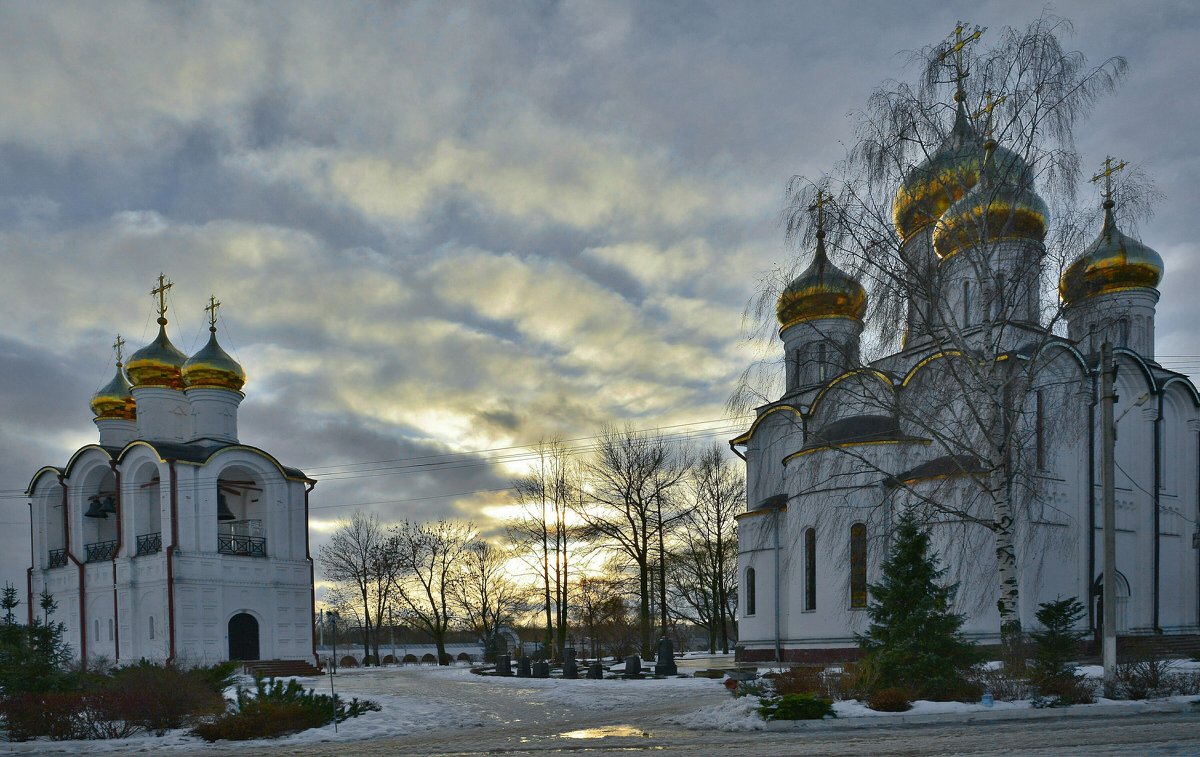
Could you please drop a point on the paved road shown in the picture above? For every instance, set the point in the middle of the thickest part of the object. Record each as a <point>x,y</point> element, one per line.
<point>522,722</point>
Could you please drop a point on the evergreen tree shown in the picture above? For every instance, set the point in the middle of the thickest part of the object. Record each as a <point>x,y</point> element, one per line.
<point>32,657</point>
<point>914,641</point>
<point>1058,641</point>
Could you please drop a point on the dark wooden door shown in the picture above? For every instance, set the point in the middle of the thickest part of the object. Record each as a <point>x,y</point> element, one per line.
<point>243,637</point>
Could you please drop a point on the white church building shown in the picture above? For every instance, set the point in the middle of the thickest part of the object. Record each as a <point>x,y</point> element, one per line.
<point>168,539</point>
<point>847,443</point>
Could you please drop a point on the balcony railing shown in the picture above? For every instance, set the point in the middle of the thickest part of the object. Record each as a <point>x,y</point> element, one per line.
<point>58,558</point>
<point>148,544</point>
<point>101,551</point>
<point>249,546</point>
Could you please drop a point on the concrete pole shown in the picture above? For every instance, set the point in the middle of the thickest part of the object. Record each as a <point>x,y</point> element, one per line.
<point>1107,472</point>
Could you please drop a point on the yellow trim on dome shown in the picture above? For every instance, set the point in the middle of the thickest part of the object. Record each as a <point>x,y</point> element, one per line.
<point>925,361</point>
<point>883,377</point>
<point>745,436</point>
<point>839,445</point>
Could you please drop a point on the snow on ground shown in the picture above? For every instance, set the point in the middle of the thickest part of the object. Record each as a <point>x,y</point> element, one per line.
<point>607,694</point>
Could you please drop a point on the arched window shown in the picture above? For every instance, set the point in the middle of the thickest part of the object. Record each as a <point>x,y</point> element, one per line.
<point>151,626</point>
<point>966,303</point>
<point>810,569</point>
<point>749,592</point>
<point>1123,332</point>
<point>96,627</point>
<point>858,566</point>
<point>1040,428</point>
<point>822,361</point>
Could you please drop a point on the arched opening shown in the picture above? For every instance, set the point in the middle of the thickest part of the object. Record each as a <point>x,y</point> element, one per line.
<point>428,659</point>
<point>463,657</point>
<point>53,525</point>
<point>243,637</point>
<point>858,566</point>
<point>100,517</point>
<point>810,569</point>
<point>409,659</point>
<point>240,513</point>
<point>1122,608</point>
<point>389,659</point>
<point>348,662</point>
<point>750,599</point>
<point>143,499</point>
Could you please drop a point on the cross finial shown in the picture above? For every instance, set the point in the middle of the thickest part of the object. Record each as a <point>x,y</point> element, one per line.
<point>211,309</point>
<point>955,49</point>
<point>990,101</point>
<point>818,206</point>
<point>160,291</point>
<point>119,348</point>
<point>1109,169</point>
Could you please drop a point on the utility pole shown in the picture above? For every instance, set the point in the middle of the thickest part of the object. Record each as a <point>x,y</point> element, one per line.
<point>1108,398</point>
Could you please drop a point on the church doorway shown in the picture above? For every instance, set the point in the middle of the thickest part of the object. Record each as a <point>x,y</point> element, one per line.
<point>243,637</point>
<point>1122,608</point>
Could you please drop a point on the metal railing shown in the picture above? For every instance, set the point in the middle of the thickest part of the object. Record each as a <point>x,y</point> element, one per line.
<point>148,544</point>
<point>248,546</point>
<point>101,550</point>
<point>58,558</point>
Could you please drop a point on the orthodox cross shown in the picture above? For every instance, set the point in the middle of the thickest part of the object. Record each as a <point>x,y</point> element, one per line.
<point>990,101</point>
<point>211,309</point>
<point>818,207</point>
<point>160,292</point>
<point>119,347</point>
<point>1107,174</point>
<point>956,50</point>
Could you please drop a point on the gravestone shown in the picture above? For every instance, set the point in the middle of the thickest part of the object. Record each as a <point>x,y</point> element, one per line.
<point>504,665</point>
<point>523,669</point>
<point>541,669</point>
<point>633,666</point>
<point>665,662</point>
<point>595,671</point>
<point>570,667</point>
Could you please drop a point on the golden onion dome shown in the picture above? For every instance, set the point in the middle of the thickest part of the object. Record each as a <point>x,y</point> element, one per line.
<point>822,291</point>
<point>212,367</point>
<point>114,400</point>
<point>1112,263</point>
<point>1001,206</point>
<point>158,363</point>
<point>945,176</point>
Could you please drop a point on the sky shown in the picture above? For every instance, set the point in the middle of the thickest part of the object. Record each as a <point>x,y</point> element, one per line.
<point>453,229</point>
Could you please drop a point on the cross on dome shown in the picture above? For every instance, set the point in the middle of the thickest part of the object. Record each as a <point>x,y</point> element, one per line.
<point>211,308</point>
<point>1107,174</point>
<point>955,50</point>
<point>119,347</point>
<point>160,291</point>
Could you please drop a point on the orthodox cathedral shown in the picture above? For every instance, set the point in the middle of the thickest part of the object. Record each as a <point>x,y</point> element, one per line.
<point>848,443</point>
<point>168,539</point>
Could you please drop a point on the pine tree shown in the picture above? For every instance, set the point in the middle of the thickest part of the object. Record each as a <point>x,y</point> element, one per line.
<point>914,641</point>
<point>1057,644</point>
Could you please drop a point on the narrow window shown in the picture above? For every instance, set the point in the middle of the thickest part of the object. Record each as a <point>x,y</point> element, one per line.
<point>151,626</point>
<point>858,565</point>
<point>1123,332</point>
<point>810,569</point>
<point>1040,428</point>
<point>822,358</point>
<point>749,591</point>
<point>797,362</point>
<point>96,626</point>
<point>966,303</point>
<point>110,629</point>
<point>998,302</point>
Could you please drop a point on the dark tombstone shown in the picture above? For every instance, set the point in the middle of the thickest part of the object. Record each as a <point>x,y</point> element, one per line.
<point>595,671</point>
<point>523,669</point>
<point>541,669</point>
<point>665,661</point>
<point>633,666</point>
<point>504,665</point>
<point>570,667</point>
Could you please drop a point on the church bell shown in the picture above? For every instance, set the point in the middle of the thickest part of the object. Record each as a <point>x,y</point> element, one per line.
<point>223,511</point>
<point>95,509</point>
<point>108,505</point>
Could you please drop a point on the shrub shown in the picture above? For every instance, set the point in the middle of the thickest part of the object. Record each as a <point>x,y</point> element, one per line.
<point>855,681</point>
<point>1003,682</point>
<point>160,698</point>
<point>891,700</point>
<point>1066,690</point>
<point>796,707</point>
<point>800,680</point>
<point>276,710</point>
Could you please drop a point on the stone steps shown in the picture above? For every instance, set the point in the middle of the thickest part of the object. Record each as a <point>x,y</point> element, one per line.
<point>279,668</point>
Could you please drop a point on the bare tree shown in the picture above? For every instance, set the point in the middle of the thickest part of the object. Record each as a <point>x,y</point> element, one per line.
<point>947,282</point>
<point>362,560</point>
<point>546,495</point>
<point>631,481</point>
<point>485,594</point>
<point>703,563</point>
<point>430,556</point>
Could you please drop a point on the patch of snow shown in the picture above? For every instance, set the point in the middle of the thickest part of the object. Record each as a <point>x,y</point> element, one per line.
<point>735,714</point>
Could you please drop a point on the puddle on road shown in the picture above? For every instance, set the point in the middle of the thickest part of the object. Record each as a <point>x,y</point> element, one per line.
<point>605,732</point>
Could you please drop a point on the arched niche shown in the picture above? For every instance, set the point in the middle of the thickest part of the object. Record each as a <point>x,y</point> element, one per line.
<point>143,505</point>
<point>242,514</point>
<point>95,499</point>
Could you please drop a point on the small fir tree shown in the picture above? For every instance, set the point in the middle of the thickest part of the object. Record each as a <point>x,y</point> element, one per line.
<point>914,641</point>
<point>1057,644</point>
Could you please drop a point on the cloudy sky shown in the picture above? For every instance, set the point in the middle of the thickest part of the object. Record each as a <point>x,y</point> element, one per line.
<point>450,228</point>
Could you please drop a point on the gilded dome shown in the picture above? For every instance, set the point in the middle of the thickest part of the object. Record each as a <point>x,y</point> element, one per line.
<point>114,400</point>
<point>158,363</point>
<point>213,367</point>
<point>1002,206</point>
<point>822,291</point>
<point>945,176</point>
<point>1111,263</point>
